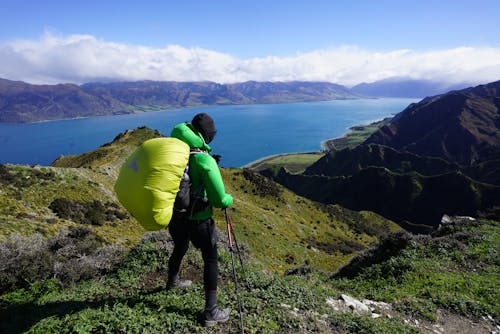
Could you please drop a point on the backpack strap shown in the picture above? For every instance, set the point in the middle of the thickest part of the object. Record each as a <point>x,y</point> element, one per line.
<point>197,150</point>
<point>183,197</point>
<point>198,201</point>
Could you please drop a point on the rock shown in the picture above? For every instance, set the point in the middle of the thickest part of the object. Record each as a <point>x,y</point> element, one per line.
<point>379,306</point>
<point>355,304</point>
<point>348,304</point>
<point>446,219</point>
<point>449,219</point>
<point>337,305</point>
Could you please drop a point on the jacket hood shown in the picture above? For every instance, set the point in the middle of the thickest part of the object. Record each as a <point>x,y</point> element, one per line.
<point>188,134</point>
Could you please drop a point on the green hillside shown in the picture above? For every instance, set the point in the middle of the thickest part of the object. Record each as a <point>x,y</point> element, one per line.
<point>282,229</point>
<point>73,261</point>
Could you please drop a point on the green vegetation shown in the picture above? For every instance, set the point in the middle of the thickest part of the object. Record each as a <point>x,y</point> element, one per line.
<point>283,230</point>
<point>37,199</point>
<point>295,163</point>
<point>412,190</point>
<point>72,261</point>
<point>110,155</point>
<point>455,270</point>
<point>355,136</point>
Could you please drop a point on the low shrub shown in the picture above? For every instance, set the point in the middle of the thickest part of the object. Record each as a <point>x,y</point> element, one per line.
<point>23,261</point>
<point>25,177</point>
<point>92,213</point>
<point>73,255</point>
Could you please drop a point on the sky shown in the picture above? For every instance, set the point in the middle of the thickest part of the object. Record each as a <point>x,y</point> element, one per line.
<point>225,41</point>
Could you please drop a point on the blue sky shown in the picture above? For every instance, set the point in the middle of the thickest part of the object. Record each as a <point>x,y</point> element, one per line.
<point>346,41</point>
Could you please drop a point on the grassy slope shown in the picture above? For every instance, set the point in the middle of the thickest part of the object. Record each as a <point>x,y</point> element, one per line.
<point>133,299</point>
<point>281,230</point>
<point>26,192</point>
<point>25,201</point>
<point>296,229</point>
<point>286,230</point>
<point>457,269</point>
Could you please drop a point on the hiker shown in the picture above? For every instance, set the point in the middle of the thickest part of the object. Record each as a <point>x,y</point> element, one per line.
<point>195,224</point>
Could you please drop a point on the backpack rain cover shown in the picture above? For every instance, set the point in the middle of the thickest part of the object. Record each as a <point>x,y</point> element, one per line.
<point>149,180</point>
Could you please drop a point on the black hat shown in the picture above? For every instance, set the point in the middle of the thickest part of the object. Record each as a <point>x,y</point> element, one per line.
<point>205,125</point>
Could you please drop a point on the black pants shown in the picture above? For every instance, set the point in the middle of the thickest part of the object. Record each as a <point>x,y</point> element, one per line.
<point>203,235</point>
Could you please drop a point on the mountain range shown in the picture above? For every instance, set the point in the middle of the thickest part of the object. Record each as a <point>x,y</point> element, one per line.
<point>438,156</point>
<point>23,102</point>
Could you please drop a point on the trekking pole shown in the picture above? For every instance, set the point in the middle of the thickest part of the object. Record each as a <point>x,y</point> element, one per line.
<point>230,240</point>
<point>230,222</point>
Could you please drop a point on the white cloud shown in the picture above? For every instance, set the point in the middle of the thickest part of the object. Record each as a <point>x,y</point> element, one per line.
<point>84,58</point>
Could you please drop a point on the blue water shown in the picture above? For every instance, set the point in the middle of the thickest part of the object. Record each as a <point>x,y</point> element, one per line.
<point>245,132</point>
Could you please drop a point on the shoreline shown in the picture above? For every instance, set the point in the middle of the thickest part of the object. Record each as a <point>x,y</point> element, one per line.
<point>324,143</point>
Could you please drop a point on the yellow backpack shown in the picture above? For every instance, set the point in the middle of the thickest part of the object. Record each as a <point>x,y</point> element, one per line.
<point>149,181</point>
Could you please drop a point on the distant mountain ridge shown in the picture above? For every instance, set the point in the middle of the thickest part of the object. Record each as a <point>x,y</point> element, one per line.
<point>405,87</point>
<point>461,126</point>
<point>22,102</point>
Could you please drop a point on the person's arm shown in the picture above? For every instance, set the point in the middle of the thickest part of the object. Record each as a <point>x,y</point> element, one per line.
<point>214,186</point>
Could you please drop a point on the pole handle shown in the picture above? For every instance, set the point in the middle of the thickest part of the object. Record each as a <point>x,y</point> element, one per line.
<point>229,229</point>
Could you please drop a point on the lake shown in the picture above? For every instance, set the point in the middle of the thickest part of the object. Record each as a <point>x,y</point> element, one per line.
<point>245,132</point>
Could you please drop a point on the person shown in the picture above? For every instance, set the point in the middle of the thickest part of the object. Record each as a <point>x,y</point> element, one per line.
<point>196,223</point>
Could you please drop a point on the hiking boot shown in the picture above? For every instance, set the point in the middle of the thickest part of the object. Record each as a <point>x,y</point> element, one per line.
<point>211,318</point>
<point>178,283</point>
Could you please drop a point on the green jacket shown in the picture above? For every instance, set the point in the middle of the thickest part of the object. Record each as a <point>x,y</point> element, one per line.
<point>203,171</point>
